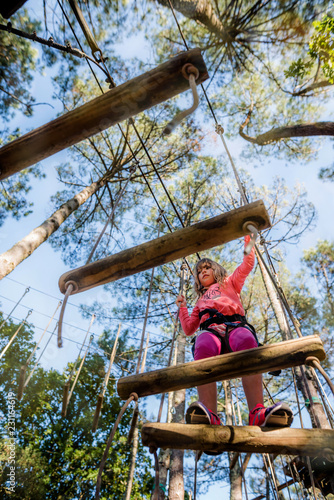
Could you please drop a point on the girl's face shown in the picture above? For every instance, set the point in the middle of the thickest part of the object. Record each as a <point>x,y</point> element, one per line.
<point>205,275</point>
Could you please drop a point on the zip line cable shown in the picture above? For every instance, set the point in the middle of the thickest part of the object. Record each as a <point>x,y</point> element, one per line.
<point>82,329</point>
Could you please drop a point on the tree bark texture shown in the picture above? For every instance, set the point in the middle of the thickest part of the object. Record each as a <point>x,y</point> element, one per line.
<point>115,106</point>
<point>223,367</point>
<point>25,247</point>
<point>134,451</point>
<point>176,483</point>
<point>276,305</point>
<point>304,383</point>
<point>181,243</point>
<point>233,458</point>
<point>243,439</point>
<point>201,11</point>
<point>164,464</point>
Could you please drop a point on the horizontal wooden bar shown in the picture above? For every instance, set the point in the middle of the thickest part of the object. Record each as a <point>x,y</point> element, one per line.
<point>9,7</point>
<point>224,367</point>
<point>116,105</point>
<point>192,239</point>
<point>247,439</point>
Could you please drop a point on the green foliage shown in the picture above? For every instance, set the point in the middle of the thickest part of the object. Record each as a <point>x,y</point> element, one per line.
<point>18,62</point>
<point>320,264</point>
<point>320,61</point>
<point>59,457</point>
<point>14,190</point>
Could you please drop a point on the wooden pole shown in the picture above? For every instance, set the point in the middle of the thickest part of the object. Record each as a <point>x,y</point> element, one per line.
<point>7,9</point>
<point>116,105</point>
<point>243,439</point>
<point>186,241</point>
<point>223,367</point>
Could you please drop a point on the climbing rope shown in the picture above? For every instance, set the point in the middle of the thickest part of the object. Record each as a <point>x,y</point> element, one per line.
<point>133,397</point>
<point>37,362</point>
<point>147,309</point>
<point>17,303</point>
<point>66,395</point>
<point>105,383</point>
<point>176,324</point>
<point>192,73</point>
<point>80,367</point>
<point>15,334</point>
<point>25,366</point>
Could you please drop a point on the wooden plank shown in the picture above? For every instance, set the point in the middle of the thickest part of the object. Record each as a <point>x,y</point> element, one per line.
<point>224,367</point>
<point>116,105</point>
<point>9,7</point>
<point>243,439</point>
<point>192,239</point>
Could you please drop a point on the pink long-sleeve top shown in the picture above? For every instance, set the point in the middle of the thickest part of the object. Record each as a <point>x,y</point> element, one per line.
<point>225,298</point>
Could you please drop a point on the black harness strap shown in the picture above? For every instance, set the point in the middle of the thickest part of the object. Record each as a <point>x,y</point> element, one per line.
<point>231,322</point>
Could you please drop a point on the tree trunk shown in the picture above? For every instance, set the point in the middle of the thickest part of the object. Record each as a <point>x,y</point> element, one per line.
<point>301,130</point>
<point>164,462</point>
<point>304,384</point>
<point>275,303</point>
<point>176,483</point>
<point>25,247</point>
<point>202,12</point>
<point>235,471</point>
<point>164,458</point>
<point>132,464</point>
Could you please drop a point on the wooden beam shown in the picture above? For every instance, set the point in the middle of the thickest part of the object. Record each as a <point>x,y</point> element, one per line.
<point>243,439</point>
<point>116,105</point>
<point>192,239</point>
<point>9,7</point>
<point>224,367</point>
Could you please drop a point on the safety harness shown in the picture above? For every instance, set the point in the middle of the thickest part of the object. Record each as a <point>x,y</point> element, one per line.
<point>231,322</point>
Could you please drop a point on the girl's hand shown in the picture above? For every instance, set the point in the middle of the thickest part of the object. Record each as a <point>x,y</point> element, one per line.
<point>181,301</point>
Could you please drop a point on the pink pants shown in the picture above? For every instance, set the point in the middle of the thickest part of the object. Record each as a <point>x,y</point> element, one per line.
<point>208,345</point>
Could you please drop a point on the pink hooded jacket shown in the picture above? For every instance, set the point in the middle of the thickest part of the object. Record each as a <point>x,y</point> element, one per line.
<point>225,298</point>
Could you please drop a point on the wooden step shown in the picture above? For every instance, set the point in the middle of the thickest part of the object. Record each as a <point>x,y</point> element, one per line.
<point>224,367</point>
<point>115,106</point>
<point>189,240</point>
<point>247,439</point>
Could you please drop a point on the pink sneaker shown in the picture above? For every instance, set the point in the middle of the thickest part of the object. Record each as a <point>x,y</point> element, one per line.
<point>277,415</point>
<point>198,413</point>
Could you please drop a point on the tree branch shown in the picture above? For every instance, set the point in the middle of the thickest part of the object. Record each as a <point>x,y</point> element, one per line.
<point>287,132</point>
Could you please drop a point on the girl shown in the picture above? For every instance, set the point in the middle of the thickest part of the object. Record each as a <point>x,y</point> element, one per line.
<point>219,314</point>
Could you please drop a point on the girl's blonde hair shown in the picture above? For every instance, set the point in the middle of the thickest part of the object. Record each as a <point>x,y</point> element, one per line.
<point>219,273</point>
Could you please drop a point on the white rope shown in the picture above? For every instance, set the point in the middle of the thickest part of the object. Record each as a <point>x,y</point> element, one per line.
<point>15,334</point>
<point>180,116</point>
<point>17,303</point>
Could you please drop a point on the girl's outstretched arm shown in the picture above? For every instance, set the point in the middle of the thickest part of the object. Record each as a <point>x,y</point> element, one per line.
<point>240,274</point>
